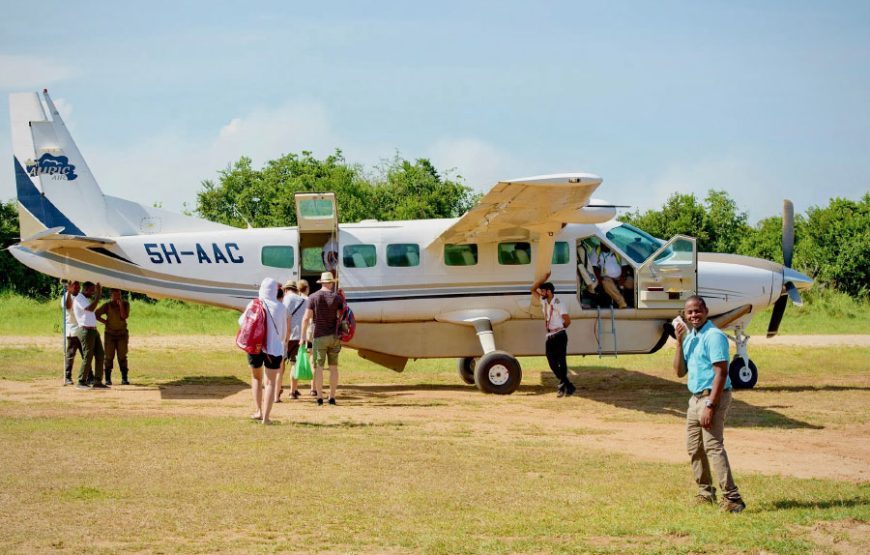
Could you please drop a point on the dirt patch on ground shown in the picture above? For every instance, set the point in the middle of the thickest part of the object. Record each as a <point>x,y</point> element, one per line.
<point>841,453</point>
<point>849,537</point>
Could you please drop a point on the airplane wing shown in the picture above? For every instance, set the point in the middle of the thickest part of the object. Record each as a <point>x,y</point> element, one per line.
<point>530,209</point>
<point>52,239</point>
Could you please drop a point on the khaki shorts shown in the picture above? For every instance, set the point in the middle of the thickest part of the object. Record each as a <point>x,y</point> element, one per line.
<point>326,349</point>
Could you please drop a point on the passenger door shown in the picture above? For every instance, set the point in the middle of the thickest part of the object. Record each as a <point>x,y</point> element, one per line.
<point>317,218</point>
<point>670,276</point>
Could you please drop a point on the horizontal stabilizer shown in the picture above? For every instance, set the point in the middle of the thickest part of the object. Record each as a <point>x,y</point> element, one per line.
<point>53,239</point>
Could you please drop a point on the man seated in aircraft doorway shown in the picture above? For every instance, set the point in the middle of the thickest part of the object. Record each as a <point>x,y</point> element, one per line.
<point>608,270</point>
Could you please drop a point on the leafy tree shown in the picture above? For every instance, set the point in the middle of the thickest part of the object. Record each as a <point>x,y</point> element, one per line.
<point>836,245</point>
<point>14,275</point>
<point>399,189</point>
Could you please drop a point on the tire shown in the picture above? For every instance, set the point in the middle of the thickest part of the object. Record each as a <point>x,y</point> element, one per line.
<point>498,372</point>
<point>743,375</point>
<point>466,369</point>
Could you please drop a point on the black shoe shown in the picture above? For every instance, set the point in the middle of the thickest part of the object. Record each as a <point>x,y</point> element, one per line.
<point>570,390</point>
<point>98,385</point>
<point>82,385</point>
<point>332,401</point>
<point>294,394</point>
<point>90,381</point>
<point>320,402</point>
<point>109,382</point>
<point>125,382</point>
<point>67,381</point>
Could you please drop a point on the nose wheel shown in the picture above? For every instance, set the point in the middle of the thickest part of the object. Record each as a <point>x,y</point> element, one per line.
<point>743,373</point>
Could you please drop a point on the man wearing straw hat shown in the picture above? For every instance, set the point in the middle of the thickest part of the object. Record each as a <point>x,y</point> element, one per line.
<point>323,310</point>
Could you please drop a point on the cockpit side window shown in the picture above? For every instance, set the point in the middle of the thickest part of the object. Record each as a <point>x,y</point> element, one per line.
<point>637,244</point>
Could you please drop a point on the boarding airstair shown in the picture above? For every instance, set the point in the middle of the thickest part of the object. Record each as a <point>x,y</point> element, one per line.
<point>601,332</point>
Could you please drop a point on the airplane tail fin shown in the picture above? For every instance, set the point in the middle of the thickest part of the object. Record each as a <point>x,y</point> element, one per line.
<point>55,186</point>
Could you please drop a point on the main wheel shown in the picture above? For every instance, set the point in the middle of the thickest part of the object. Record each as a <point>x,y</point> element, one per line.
<point>743,374</point>
<point>466,369</point>
<point>498,372</point>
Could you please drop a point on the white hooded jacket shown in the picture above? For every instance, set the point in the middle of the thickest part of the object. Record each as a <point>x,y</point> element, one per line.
<point>276,318</point>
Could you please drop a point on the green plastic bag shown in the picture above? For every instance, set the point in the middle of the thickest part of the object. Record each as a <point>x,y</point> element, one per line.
<point>302,370</point>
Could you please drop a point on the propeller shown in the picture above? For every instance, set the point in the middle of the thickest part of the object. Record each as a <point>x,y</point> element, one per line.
<point>790,290</point>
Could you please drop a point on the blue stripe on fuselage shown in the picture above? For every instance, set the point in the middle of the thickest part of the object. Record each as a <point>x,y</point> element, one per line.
<point>41,208</point>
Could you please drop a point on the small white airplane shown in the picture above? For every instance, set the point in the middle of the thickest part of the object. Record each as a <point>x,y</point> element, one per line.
<point>419,289</point>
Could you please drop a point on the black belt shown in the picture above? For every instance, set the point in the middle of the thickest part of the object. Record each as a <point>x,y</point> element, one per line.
<point>88,327</point>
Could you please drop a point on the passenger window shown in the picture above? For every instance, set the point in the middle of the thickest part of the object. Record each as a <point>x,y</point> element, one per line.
<point>460,255</point>
<point>312,259</point>
<point>403,255</point>
<point>561,254</point>
<point>514,254</point>
<point>359,256</point>
<point>277,257</point>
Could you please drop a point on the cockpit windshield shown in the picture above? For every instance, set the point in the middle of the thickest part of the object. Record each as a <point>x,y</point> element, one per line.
<point>637,244</point>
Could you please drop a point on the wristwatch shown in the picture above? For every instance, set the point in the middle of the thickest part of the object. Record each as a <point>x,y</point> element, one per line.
<point>709,404</point>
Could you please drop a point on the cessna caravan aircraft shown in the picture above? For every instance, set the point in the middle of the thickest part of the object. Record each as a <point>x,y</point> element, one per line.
<point>440,288</point>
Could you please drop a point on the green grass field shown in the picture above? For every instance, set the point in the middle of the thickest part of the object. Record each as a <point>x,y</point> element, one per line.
<point>409,463</point>
<point>823,313</point>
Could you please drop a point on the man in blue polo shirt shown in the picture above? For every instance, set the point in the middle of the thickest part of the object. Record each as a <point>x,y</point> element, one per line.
<point>702,352</point>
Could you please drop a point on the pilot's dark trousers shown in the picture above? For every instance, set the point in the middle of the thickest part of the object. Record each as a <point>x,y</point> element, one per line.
<point>557,349</point>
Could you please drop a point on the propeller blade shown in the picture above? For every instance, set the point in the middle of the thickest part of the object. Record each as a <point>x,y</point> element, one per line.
<point>793,294</point>
<point>776,317</point>
<point>787,232</point>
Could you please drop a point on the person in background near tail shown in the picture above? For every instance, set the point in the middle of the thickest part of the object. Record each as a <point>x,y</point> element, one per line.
<point>322,313</point>
<point>272,353</point>
<point>556,321</point>
<point>295,305</point>
<point>71,328</point>
<point>116,338</point>
<point>702,353</point>
<point>92,348</point>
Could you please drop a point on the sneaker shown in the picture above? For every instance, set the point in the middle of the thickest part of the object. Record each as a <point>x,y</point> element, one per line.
<point>702,499</point>
<point>733,506</point>
<point>67,381</point>
<point>320,402</point>
<point>125,382</point>
<point>109,381</point>
<point>294,394</point>
<point>98,385</point>
<point>82,385</point>
<point>570,390</point>
<point>332,401</point>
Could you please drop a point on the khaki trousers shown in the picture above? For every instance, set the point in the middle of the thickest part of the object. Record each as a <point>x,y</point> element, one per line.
<point>116,343</point>
<point>92,356</point>
<point>707,448</point>
<point>612,289</point>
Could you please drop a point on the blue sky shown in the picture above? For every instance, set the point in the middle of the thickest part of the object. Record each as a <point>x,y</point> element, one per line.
<point>767,100</point>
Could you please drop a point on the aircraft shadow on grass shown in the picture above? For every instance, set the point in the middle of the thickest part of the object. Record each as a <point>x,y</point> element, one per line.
<point>203,387</point>
<point>629,389</point>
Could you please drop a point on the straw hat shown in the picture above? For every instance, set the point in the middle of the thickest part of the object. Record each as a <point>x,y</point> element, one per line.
<point>326,277</point>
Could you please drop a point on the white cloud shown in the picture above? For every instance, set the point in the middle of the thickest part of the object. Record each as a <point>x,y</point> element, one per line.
<point>169,167</point>
<point>28,72</point>
<point>480,163</point>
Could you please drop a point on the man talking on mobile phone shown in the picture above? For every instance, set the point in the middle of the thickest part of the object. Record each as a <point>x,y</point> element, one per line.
<point>702,353</point>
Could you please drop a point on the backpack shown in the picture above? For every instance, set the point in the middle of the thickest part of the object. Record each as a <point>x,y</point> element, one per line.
<point>251,336</point>
<point>346,325</point>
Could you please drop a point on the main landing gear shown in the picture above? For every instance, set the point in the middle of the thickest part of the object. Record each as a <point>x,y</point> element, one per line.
<point>495,372</point>
<point>742,371</point>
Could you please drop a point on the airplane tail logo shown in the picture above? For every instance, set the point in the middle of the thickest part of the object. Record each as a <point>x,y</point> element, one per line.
<point>52,167</point>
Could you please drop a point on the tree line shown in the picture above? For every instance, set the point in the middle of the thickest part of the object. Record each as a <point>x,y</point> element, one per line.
<point>832,243</point>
